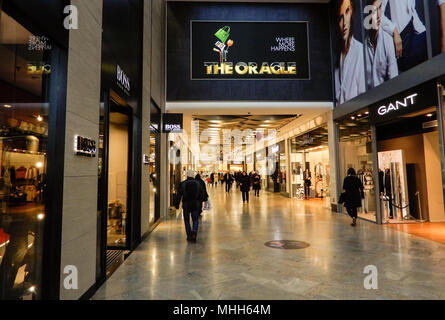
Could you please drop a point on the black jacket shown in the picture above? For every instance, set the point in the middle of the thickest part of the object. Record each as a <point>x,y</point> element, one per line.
<point>245,183</point>
<point>191,194</point>
<point>203,186</point>
<point>256,182</point>
<point>353,192</point>
<point>228,178</point>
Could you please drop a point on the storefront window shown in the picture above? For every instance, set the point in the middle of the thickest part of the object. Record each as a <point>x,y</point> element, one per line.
<point>24,84</point>
<point>355,150</point>
<point>310,168</point>
<point>282,178</point>
<point>155,140</point>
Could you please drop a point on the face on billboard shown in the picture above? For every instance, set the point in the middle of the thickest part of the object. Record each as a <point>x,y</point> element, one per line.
<point>345,19</point>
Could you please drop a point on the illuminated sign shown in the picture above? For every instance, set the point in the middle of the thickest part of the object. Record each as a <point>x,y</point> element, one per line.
<point>172,122</point>
<point>38,69</point>
<point>249,50</point>
<point>85,147</point>
<point>409,101</point>
<point>122,80</point>
<point>251,68</point>
<point>394,106</point>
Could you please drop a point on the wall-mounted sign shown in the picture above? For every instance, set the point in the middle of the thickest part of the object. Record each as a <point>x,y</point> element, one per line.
<point>38,68</point>
<point>146,159</point>
<point>249,50</point>
<point>172,122</point>
<point>123,81</point>
<point>415,99</point>
<point>85,147</point>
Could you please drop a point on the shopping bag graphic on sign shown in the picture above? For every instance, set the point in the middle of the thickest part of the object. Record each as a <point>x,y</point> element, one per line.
<point>223,34</point>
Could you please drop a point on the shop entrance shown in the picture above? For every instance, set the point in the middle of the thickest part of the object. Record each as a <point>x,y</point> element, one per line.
<point>115,167</point>
<point>310,168</point>
<point>409,164</point>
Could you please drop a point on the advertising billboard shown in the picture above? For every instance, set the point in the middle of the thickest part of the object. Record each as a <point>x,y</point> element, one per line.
<point>249,50</point>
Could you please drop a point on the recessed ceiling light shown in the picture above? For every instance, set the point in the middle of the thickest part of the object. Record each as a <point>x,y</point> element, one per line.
<point>429,115</point>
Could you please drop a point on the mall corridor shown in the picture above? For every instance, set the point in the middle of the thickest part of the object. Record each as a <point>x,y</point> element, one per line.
<point>230,259</point>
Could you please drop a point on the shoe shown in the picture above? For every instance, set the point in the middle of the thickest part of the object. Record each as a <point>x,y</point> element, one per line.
<point>194,235</point>
<point>354,222</point>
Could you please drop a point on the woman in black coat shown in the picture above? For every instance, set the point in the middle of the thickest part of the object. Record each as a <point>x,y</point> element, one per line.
<point>256,183</point>
<point>353,188</point>
<point>244,181</point>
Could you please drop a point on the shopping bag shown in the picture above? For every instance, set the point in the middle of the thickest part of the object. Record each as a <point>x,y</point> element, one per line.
<point>207,206</point>
<point>223,34</point>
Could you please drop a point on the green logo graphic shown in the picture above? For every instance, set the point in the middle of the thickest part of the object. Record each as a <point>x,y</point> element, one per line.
<point>224,43</point>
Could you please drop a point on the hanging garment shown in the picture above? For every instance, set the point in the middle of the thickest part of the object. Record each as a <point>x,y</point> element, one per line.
<point>20,173</point>
<point>32,173</point>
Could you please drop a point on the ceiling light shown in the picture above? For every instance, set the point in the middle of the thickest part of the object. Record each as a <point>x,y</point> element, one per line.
<point>429,115</point>
<point>352,118</point>
<point>7,106</point>
<point>367,112</point>
<point>39,118</point>
<point>40,216</point>
<point>215,121</point>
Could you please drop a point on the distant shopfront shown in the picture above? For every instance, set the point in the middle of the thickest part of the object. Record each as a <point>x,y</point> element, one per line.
<point>309,165</point>
<point>396,147</point>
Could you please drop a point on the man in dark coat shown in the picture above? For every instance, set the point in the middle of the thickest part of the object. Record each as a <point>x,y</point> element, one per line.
<point>353,194</point>
<point>192,196</point>
<point>228,179</point>
<point>245,186</point>
<point>256,183</point>
<point>203,186</point>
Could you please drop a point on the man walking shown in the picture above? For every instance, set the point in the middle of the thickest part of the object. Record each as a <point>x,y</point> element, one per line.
<point>228,179</point>
<point>192,196</point>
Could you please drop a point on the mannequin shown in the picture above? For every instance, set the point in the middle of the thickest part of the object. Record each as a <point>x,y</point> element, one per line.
<point>388,191</point>
<point>307,183</point>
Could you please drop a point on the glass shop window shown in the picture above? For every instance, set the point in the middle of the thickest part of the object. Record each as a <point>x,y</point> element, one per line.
<point>24,84</point>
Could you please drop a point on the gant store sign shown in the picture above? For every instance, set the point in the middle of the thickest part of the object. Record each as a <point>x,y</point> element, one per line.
<point>415,99</point>
<point>396,105</point>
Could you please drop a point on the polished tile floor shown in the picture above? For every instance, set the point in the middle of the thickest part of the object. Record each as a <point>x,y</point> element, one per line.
<point>230,261</point>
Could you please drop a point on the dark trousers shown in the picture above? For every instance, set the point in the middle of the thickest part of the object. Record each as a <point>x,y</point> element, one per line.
<point>246,196</point>
<point>228,186</point>
<point>307,189</point>
<point>352,211</point>
<point>257,192</point>
<point>195,218</point>
<point>414,48</point>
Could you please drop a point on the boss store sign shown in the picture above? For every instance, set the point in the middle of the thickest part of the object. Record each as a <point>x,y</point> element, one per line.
<point>85,147</point>
<point>172,122</point>
<point>415,99</point>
